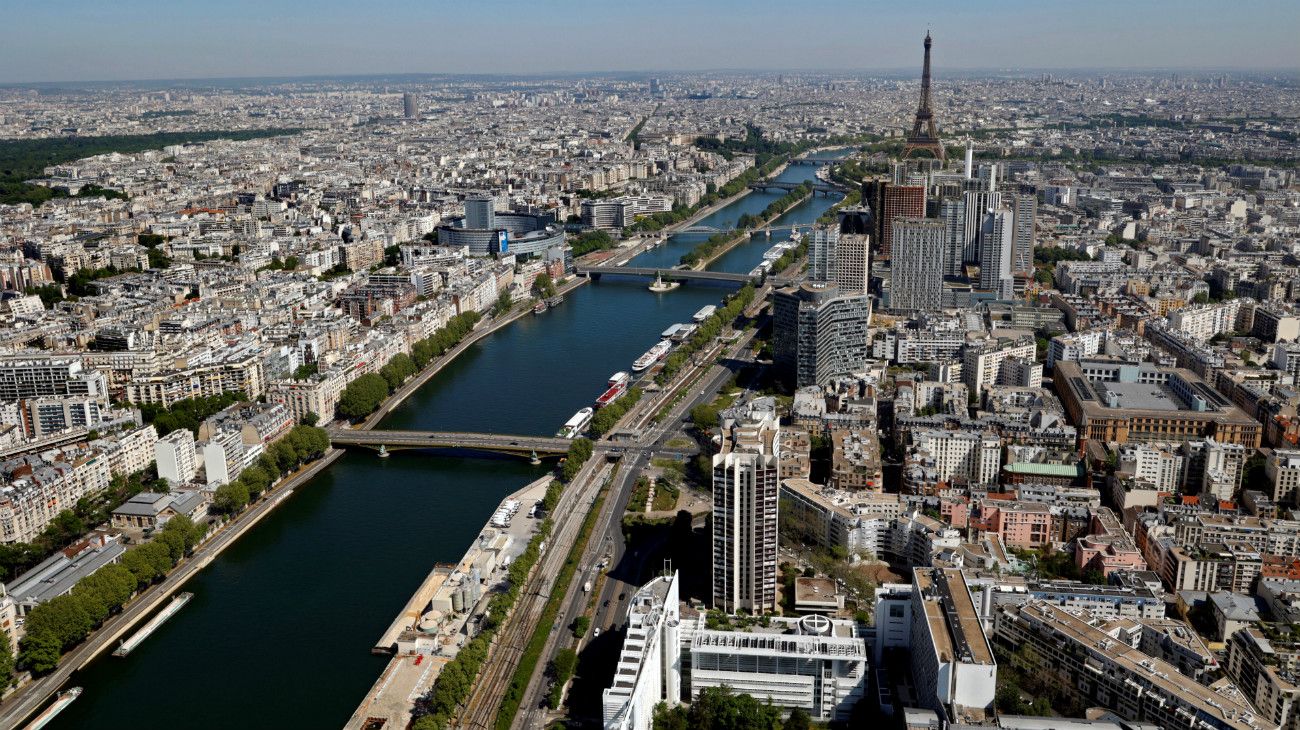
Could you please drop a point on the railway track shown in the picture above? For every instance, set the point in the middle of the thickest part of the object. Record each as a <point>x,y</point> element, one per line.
<point>508,646</point>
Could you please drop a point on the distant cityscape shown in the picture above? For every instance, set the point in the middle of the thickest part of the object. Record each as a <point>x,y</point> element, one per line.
<point>970,400</point>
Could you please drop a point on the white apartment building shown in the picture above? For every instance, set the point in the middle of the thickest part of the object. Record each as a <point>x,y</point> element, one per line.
<point>746,478</point>
<point>952,663</point>
<point>983,365</point>
<point>54,414</point>
<point>176,457</point>
<point>1283,471</point>
<point>1155,465</point>
<point>1205,321</point>
<point>129,451</point>
<point>30,376</point>
<point>649,667</point>
<point>225,455</point>
<point>976,457</point>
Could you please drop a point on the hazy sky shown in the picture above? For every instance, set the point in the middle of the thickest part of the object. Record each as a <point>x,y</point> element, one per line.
<point>66,40</point>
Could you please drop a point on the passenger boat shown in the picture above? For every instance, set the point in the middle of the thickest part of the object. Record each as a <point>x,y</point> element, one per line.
<point>617,387</point>
<point>652,356</point>
<point>578,423</point>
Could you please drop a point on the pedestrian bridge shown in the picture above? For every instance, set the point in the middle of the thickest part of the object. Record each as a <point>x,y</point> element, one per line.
<point>385,441</point>
<point>595,272</point>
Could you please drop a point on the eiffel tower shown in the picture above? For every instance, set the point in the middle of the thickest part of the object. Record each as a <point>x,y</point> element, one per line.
<point>924,136</point>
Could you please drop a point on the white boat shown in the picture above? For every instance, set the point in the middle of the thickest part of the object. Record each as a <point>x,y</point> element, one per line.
<point>652,356</point>
<point>705,312</point>
<point>576,424</point>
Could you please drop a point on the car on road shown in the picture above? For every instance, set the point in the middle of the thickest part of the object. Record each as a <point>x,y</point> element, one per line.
<point>605,604</point>
<point>596,633</point>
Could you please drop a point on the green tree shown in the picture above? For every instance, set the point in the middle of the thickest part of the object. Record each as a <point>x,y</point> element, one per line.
<point>362,396</point>
<point>64,618</point>
<point>40,653</point>
<point>580,626</point>
<point>257,480</point>
<point>799,719</point>
<point>6,661</point>
<point>543,285</point>
<point>229,498</point>
<point>503,303</point>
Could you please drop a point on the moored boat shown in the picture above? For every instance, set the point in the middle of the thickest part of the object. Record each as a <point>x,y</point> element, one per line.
<point>652,356</point>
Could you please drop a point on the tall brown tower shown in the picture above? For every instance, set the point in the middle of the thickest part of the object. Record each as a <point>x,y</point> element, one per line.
<point>924,136</point>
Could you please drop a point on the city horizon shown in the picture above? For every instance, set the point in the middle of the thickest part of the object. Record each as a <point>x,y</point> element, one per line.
<point>134,40</point>
<point>908,72</point>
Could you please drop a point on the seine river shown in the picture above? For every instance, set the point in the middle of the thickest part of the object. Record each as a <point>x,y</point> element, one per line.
<point>280,628</point>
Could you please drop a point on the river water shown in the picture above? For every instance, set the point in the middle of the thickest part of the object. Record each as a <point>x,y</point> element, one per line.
<point>279,632</point>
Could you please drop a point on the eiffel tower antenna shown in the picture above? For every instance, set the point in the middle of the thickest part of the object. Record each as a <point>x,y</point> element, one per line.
<point>924,135</point>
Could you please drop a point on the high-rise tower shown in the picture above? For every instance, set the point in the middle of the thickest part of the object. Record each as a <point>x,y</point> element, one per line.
<point>746,488</point>
<point>924,135</point>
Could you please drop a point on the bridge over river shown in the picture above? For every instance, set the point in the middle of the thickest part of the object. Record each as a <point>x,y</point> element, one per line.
<point>385,441</point>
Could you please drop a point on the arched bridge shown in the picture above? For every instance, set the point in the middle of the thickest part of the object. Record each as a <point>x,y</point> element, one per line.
<point>595,272</point>
<point>813,161</point>
<point>482,442</point>
<point>788,186</point>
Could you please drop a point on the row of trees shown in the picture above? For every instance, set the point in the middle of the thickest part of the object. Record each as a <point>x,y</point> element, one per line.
<point>188,413</point>
<point>302,444</point>
<point>64,621</point>
<point>561,671</point>
<point>609,415</point>
<point>71,525</point>
<point>589,241</point>
<point>364,395</point>
<point>705,333</point>
<point>679,213</point>
<point>719,708</point>
<point>435,709</point>
<point>579,451</point>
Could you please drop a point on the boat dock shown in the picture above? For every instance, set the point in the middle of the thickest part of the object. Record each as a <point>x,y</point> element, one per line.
<point>429,630</point>
<point>145,631</point>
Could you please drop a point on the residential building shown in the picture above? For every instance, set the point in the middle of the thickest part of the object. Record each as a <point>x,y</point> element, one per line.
<point>952,663</point>
<point>1113,674</point>
<point>819,333</point>
<point>649,666</point>
<point>916,271</point>
<point>746,477</point>
<point>176,456</point>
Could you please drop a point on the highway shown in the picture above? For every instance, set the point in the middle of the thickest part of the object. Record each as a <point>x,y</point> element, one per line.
<point>704,379</point>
